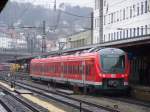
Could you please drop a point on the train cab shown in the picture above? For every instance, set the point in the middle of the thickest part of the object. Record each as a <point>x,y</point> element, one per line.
<point>114,68</point>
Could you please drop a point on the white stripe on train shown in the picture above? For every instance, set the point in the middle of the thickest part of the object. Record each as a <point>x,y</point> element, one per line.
<point>67,80</point>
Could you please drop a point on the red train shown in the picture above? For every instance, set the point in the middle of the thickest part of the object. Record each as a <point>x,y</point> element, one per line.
<point>106,69</point>
<point>5,66</point>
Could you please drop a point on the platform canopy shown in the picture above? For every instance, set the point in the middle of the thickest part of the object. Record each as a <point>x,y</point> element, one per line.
<point>2,4</point>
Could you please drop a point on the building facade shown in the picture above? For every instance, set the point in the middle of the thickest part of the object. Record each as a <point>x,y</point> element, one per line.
<point>96,32</point>
<point>79,39</point>
<point>12,43</point>
<point>122,19</point>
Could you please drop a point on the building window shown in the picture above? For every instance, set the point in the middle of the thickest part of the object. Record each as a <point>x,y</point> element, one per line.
<point>117,35</point>
<point>127,12</point>
<point>98,23</point>
<point>120,15</point>
<point>114,17</point>
<point>124,33</point>
<point>97,4</point>
<point>145,29</point>
<point>111,17</point>
<point>134,30</point>
<point>138,9</point>
<point>124,14</point>
<point>134,11</point>
<point>114,35</point>
<point>131,12</point>
<point>95,23</point>
<point>141,30</point>
<point>146,7</point>
<point>109,37</point>
<point>104,38</point>
<point>130,32</point>
<point>142,7</point>
<point>117,15</point>
<point>148,29</point>
<point>138,31</point>
<point>127,33</point>
<point>104,2</point>
<point>120,34</point>
<point>105,20</point>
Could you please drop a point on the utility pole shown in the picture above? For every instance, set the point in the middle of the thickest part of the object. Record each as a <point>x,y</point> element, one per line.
<point>44,38</point>
<point>55,5</point>
<point>101,22</point>
<point>92,17</point>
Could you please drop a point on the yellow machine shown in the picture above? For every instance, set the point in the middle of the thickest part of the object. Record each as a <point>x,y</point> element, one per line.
<point>15,67</point>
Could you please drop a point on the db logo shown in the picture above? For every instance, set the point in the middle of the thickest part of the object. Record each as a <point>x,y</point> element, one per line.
<point>113,75</point>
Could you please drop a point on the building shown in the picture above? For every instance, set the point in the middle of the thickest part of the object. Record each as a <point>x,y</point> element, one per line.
<point>98,22</point>
<point>7,42</point>
<point>79,39</point>
<point>121,19</point>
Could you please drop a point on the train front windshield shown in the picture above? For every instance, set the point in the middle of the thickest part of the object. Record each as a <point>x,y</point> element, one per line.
<point>113,63</point>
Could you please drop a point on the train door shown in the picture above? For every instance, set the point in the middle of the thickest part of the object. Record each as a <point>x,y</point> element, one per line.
<point>62,70</point>
<point>42,69</point>
<point>89,70</point>
<point>83,72</point>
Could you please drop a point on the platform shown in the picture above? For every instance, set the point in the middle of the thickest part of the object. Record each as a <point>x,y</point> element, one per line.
<point>22,91</point>
<point>140,92</point>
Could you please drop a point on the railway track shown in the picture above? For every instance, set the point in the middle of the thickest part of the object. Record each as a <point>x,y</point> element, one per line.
<point>80,102</point>
<point>17,101</point>
<point>5,106</point>
<point>122,99</point>
<point>76,103</point>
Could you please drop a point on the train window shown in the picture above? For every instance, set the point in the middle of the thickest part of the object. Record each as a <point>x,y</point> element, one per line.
<point>88,69</point>
<point>51,68</point>
<point>54,68</point>
<point>72,69</point>
<point>64,69</point>
<point>69,69</point>
<point>76,69</point>
<point>81,69</point>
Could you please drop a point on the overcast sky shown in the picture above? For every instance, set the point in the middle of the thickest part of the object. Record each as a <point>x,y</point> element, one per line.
<point>50,3</point>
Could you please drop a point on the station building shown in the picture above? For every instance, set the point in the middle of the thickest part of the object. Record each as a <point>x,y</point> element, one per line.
<point>126,24</point>
<point>125,19</point>
<point>120,19</point>
<point>79,39</point>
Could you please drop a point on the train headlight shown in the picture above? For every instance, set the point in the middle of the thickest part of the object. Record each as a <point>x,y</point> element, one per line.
<point>122,75</point>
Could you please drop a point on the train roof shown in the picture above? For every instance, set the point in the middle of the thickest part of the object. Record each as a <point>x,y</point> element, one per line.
<point>77,56</point>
